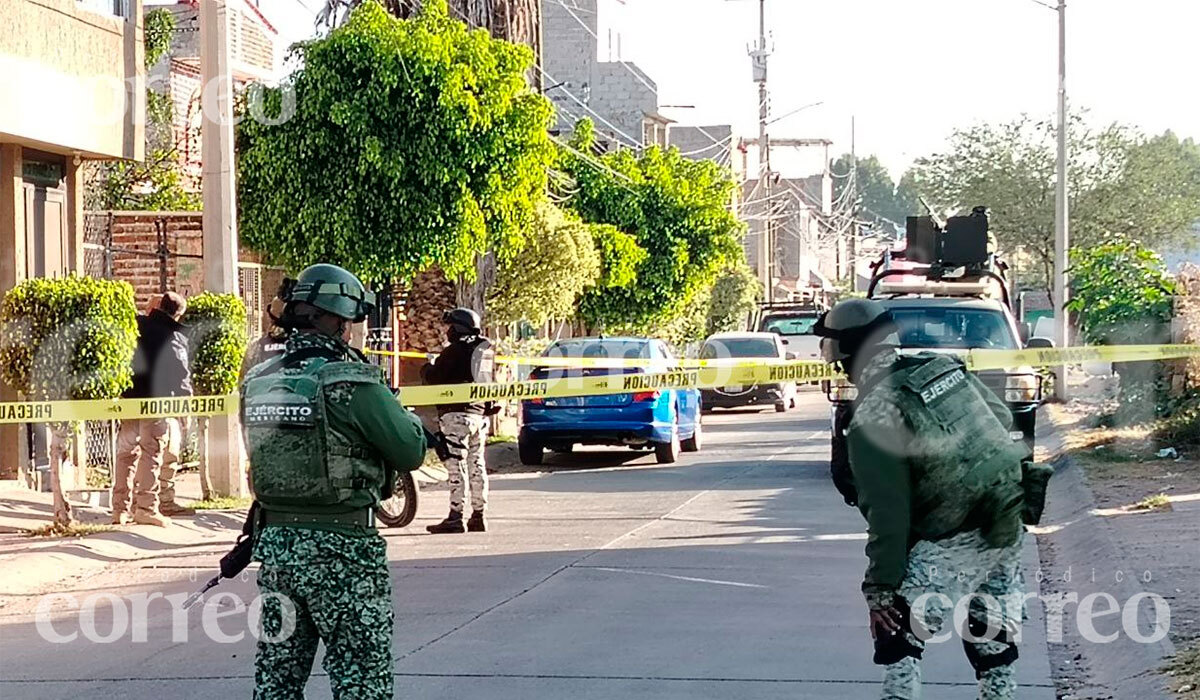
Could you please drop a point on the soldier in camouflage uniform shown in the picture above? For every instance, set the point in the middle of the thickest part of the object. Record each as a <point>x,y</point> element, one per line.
<point>468,358</point>
<point>326,439</point>
<point>939,483</point>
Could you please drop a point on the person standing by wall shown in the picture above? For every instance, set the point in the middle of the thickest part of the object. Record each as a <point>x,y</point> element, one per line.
<point>469,358</point>
<point>160,369</point>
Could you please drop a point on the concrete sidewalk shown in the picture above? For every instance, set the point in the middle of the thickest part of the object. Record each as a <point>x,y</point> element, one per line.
<point>34,564</point>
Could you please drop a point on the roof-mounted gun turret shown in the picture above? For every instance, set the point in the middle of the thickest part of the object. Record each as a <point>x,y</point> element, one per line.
<point>957,258</point>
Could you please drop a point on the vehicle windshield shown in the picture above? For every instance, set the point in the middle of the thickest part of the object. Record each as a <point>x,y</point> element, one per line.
<point>934,327</point>
<point>607,349</point>
<point>790,325</point>
<point>738,347</point>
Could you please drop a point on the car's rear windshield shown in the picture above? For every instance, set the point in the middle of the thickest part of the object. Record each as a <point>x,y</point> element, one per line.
<point>738,347</point>
<point>790,325</point>
<point>625,349</point>
<point>935,327</point>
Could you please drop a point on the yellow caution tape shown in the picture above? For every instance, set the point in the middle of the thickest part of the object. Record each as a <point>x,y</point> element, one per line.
<point>1049,357</point>
<point>57,411</point>
<point>683,378</point>
<point>601,362</point>
<point>713,374</point>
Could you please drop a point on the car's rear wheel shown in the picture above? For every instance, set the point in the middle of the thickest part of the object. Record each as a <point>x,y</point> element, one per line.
<point>696,441</point>
<point>667,452</point>
<point>530,452</point>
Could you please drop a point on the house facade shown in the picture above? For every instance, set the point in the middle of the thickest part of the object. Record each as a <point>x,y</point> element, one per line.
<point>73,91</point>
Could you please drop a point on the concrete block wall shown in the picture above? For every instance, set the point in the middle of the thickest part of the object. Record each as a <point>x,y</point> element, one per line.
<point>569,54</point>
<point>697,142</point>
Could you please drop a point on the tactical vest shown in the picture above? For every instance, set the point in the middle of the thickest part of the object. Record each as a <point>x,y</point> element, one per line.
<point>966,467</point>
<point>296,459</point>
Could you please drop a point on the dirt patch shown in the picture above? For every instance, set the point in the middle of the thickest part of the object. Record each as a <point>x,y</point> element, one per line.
<point>1184,671</point>
<point>1150,496</point>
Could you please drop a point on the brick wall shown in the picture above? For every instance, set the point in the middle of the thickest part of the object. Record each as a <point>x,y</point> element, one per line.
<point>134,257</point>
<point>135,243</point>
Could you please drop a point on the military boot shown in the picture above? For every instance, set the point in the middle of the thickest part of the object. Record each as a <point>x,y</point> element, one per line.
<point>453,524</point>
<point>476,523</point>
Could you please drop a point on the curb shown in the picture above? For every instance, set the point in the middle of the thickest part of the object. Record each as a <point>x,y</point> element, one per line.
<point>1080,539</point>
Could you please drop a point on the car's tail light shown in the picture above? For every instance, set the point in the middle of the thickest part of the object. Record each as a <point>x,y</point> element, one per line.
<point>645,396</point>
<point>537,400</point>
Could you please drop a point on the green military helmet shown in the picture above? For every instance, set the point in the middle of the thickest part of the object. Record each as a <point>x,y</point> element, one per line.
<point>333,290</point>
<point>850,324</point>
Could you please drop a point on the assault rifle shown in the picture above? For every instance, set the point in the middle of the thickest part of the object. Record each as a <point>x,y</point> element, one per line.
<point>236,560</point>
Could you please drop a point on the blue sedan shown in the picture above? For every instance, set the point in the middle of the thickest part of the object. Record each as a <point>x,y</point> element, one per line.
<point>668,421</point>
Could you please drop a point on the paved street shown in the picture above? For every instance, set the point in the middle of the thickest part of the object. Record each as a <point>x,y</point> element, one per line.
<point>733,574</point>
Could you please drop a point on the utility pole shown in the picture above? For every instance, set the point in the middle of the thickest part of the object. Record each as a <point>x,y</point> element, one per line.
<point>1061,218</point>
<point>853,211</point>
<point>758,58</point>
<point>223,443</point>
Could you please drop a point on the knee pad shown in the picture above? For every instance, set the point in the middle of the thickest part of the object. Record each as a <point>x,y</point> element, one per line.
<point>982,663</point>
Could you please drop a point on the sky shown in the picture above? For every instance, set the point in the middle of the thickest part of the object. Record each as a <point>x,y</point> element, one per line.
<point>907,71</point>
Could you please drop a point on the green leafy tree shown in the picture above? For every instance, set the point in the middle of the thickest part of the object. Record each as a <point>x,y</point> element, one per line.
<point>878,197</point>
<point>675,209</point>
<point>1122,293</point>
<point>734,295</point>
<point>544,280</point>
<point>64,339</point>
<point>1122,183</point>
<point>620,256</point>
<point>414,143</point>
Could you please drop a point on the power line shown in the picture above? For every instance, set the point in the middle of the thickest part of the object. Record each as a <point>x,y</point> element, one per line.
<point>635,143</point>
<point>624,64</point>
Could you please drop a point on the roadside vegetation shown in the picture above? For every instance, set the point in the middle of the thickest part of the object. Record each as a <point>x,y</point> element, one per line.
<point>1184,671</point>
<point>223,503</point>
<point>72,529</point>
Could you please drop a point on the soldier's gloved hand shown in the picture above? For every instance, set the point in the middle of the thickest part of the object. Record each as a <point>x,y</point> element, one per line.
<point>440,448</point>
<point>886,622</point>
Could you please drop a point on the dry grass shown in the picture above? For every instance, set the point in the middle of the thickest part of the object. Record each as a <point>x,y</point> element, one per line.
<point>223,503</point>
<point>71,530</point>
<point>1155,502</point>
<point>1184,670</point>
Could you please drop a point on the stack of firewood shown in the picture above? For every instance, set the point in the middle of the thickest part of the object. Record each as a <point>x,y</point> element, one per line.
<point>430,296</point>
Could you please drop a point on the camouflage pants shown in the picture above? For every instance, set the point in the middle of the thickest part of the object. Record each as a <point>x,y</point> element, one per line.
<point>466,436</point>
<point>962,568</point>
<point>339,593</point>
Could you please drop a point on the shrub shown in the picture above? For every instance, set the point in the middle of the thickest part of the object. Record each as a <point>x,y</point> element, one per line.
<point>216,328</point>
<point>85,326</point>
<point>70,338</point>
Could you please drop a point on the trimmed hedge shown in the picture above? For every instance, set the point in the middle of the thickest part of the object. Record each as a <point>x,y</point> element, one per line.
<point>85,326</point>
<point>216,329</point>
